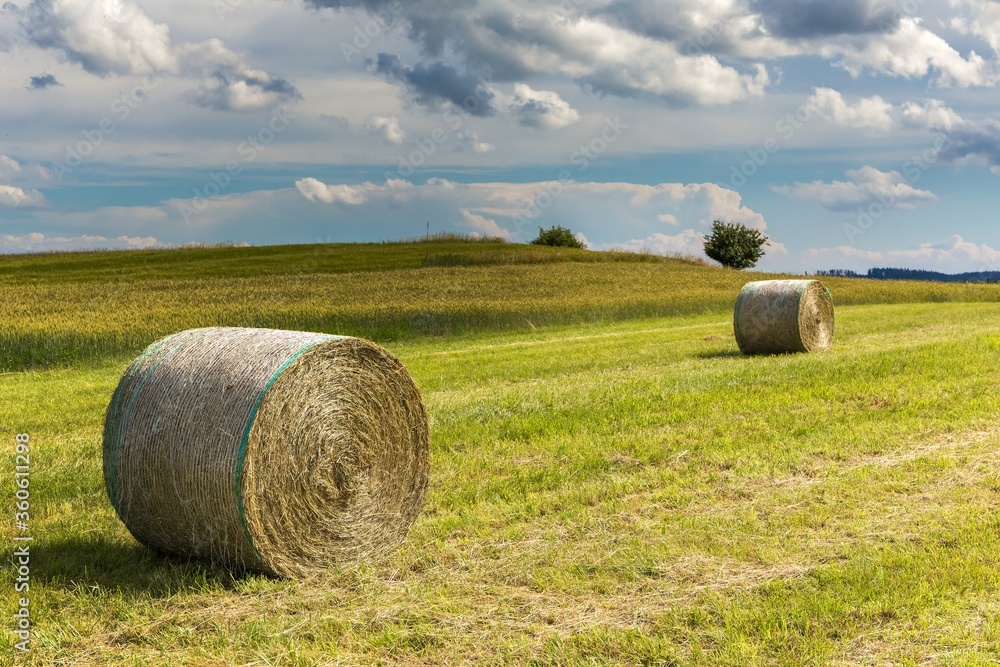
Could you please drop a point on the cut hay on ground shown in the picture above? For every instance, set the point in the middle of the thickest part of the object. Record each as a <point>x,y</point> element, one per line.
<point>278,451</point>
<point>780,316</point>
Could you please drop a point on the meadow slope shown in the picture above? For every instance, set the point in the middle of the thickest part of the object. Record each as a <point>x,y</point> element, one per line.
<point>69,308</point>
<point>619,486</point>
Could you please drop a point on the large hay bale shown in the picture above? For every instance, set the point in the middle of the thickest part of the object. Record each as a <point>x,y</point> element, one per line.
<point>780,316</point>
<point>278,451</point>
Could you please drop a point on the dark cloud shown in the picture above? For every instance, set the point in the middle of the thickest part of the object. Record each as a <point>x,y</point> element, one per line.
<point>973,139</point>
<point>498,43</point>
<point>347,4</point>
<point>611,81</point>
<point>820,18</point>
<point>514,41</point>
<point>491,37</point>
<point>430,20</point>
<point>43,81</point>
<point>434,23</point>
<point>436,83</point>
<point>653,18</point>
<point>233,89</point>
<point>282,87</point>
<point>339,123</point>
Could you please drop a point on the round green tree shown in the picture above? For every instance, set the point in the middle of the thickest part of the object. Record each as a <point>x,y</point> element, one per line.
<point>734,245</point>
<point>558,236</point>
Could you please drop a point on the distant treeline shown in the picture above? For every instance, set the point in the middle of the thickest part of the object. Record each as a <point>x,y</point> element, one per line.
<point>914,274</point>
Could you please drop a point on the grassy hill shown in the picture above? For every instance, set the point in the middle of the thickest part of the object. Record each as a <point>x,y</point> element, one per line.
<point>69,308</point>
<point>226,261</point>
<point>612,482</point>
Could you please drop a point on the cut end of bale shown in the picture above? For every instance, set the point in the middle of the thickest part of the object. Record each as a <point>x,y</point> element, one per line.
<point>277,451</point>
<point>337,459</point>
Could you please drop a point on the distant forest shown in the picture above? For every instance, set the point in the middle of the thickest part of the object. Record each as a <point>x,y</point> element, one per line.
<point>913,274</point>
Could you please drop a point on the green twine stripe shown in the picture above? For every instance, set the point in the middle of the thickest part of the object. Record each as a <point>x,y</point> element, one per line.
<point>802,293</point>
<point>118,425</point>
<point>246,439</point>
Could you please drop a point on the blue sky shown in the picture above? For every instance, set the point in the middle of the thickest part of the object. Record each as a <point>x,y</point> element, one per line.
<point>856,133</point>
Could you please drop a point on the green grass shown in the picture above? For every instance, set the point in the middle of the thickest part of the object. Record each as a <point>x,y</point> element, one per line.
<point>53,316</point>
<point>605,489</point>
<point>255,261</point>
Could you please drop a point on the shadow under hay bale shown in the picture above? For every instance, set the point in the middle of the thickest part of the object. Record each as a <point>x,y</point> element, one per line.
<point>784,316</point>
<point>278,451</point>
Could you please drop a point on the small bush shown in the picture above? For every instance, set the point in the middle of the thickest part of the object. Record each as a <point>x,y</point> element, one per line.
<point>558,236</point>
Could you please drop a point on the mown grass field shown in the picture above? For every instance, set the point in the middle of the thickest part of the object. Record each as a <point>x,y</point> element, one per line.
<point>612,483</point>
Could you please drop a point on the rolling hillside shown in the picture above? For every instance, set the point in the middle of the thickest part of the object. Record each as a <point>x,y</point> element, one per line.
<point>67,308</point>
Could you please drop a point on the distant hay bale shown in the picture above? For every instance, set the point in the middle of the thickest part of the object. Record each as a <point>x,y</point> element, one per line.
<point>277,451</point>
<point>779,316</point>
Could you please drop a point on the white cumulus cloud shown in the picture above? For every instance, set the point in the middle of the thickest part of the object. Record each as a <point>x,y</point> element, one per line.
<point>953,255</point>
<point>386,127</point>
<point>39,242</point>
<point>17,198</point>
<point>985,22</point>
<point>9,167</point>
<point>104,36</point>
<point>115,37</point>
<point>872,113</point>
<point>483,226</point>
<point>317,191</point>
<point>228,83</point>
<point>540,108</point>
<point>688,242</point>
<point>864,186</point>
<point>912,51</point>
<point>603,212</point>
<point>931,115</point>
<point>471,140</point>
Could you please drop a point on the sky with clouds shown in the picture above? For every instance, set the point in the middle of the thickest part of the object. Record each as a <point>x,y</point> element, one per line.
<point>855,133</point>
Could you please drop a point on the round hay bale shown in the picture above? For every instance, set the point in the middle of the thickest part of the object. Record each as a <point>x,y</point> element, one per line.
<point>277,451</point>
<point>782,316</point>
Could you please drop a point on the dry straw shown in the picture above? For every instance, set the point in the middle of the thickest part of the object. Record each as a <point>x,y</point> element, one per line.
<point>779,316</point>
<point>278,451</point>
